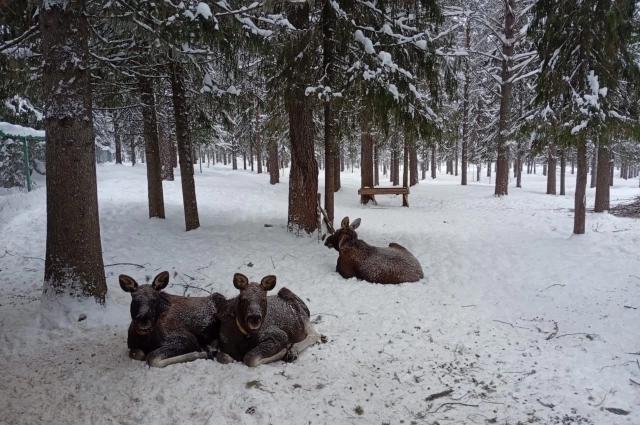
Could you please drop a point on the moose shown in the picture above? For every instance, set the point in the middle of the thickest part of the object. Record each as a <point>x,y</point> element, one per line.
<point>357,258</point>
<point>258,329</point>
<point>166,329</point>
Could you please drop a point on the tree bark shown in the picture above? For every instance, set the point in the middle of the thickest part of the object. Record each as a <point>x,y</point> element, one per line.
<point>166,155</point>
<point>580,200</point>
<point>133,151</point>
<point>563,171</point>
<point>338,167</point>
<point>73,258</point>
<point>413,168</point>
<point>594,167</point>
<point>303,177</point>
<point>611,169</point>
<point>396,164</point>
<point>329,142</point>
<point>504,122</point>
<point>152,148</point>
<point>551,171</point>
<point>405,165</point>
<point>602,183</point>
<point>519,167</point>
<point>274,171</point>
<point>366,159</point>
<point>118,141</point>
<point>376,168</point>
<point>433,160</point>
<point>191,218</point>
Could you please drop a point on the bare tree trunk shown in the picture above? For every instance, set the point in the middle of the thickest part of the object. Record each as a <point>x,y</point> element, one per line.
<point>329,142</point>
<point>551,171</point>
<point>405,172</point>
<point>519,167</point>
<point>152,148</point>
<point>303,177</point>
<point>504,122</point>
<point>274,171</point>
<point>594,167</point>
<point>425,162</point>
<point>133,151</point>
<point>166,156</point>
<point>489,168</point>
<point>366,159</point>
<point>602,185</point>
<point>73,259</point>
<point>376,168</point>
<point>433,161</point>
<point>580,202</point>
<point>338,167</point>
<point>396,163</point>
<point>563,169</point>
<point>118,141</point>
<point>191,218</point>
<point>413,167</point>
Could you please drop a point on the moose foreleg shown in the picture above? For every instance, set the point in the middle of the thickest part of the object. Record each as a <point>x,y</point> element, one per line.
<point>271,349</point>
<point>179,352</point>
<point>299,347</point>
<point>136,354</point>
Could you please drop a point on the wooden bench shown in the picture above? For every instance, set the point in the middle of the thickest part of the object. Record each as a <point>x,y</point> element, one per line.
<point>372,191</point>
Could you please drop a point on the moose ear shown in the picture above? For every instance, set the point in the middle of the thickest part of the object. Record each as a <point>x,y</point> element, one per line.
<point>268,282</point>
<point>343,241</point>
<point>345,222</point>
<point>161,281</point>
<point>355,224</point>
<point>128,284</point>
<point>240,281</point>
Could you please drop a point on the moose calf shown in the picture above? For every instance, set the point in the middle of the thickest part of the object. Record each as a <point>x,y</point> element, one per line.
<point>167,329</point>
<point>258,329</point>
<point>357,258</point>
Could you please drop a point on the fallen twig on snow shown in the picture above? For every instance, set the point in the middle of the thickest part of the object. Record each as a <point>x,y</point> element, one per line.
<point>510,324</point>
<point>589,336</point>
<point>439,395</point>
<point>451,404</point>
<point>628,306</point>
<point>605,396</point>
<point>634,382</point>
<point>554,332</point>
<point>548,405</point>
<point>551,286</point>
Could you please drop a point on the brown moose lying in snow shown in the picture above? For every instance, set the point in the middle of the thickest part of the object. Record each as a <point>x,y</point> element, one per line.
<point>258,329</point>
<point>167,329</point>
<point>357,258</point>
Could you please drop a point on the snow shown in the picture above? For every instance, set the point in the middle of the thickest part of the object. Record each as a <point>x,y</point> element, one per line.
<point>500,274</point>
<point>204,10</point>
<point>19,131</point>
<point>366,42</point>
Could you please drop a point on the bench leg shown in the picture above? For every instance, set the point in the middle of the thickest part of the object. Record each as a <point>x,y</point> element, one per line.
<point>405,200</point>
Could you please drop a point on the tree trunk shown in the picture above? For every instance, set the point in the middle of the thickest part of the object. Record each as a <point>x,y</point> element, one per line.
<point>433,160</point>
<point>478,171</point>
<point>405,165</point>
<point>73,259</point>
<point>544,169</point>
<point>519,167</point>
<point>191,218</point>
<point>133,151</point>
<point>166,156</point>
<point>504,121</point>
<point>174,154</point>
<point>594,167</point>
<point>580,201</point>
<point>425,162</point>
<point>488,168</point>
<point>329,142</point>
<point>413,167</point>
<point>551,171</point>
<point>118,141</point>
<point>602,183</point>
<point>152,148</point>
<point>303,177</point>
<point>376,163</point>
<point>396,164</point>
<point>338,167</point>
<point>274,171</point>
<point>563,171</point>
<point>366,159</point>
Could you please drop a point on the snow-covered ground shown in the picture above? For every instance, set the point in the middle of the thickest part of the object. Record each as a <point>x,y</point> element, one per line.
<point>522,321</point>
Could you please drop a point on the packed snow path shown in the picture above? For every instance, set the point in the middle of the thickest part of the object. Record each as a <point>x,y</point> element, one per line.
<point>522,321</point>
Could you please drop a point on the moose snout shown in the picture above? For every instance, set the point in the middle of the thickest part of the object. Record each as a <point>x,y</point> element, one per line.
<point>254,321</point>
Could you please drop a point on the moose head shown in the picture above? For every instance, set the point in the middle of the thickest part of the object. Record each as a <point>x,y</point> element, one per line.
<point>147,302</point>
<point>251,309</point>
<point>344,234</point>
